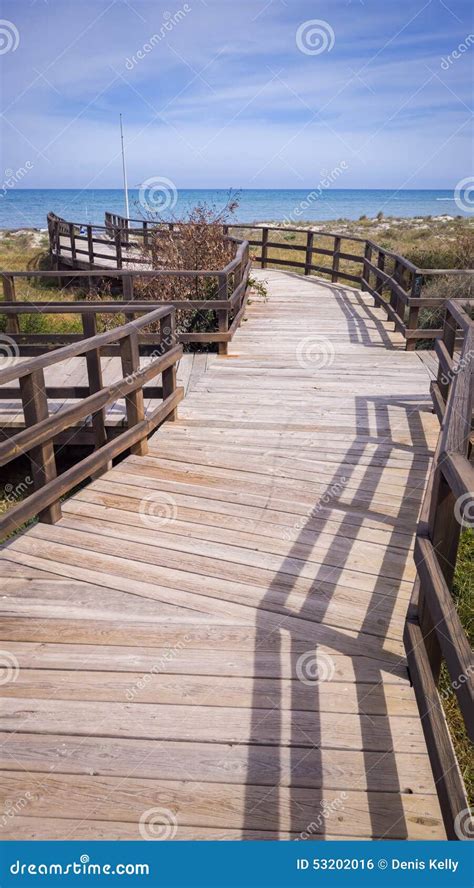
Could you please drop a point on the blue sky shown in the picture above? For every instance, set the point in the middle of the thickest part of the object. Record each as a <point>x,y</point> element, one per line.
<point>240,93</point>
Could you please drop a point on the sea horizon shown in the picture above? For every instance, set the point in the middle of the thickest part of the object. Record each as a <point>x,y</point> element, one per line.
<point>28,207</point>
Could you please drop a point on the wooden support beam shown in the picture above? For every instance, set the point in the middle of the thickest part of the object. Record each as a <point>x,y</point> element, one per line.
<point>130,355</point>
<point>42,459</point>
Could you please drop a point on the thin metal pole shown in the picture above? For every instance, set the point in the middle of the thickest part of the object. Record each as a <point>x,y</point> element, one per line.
<point>125,186</point>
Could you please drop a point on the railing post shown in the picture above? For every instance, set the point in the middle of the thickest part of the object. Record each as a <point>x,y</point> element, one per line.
<point>145,235</point>
<point>57,242</point>
<point>42,459</point>
<point>413,311</point>
<point>335,260</point>
<point>90,244</point>
<point>168,336</point>
<point>264,256</point>
<point>96,383</point>
<point>309,252</point>
<point>134,403</point>
<point>365,276</point>
<point>72,238</point>
<point>449,340</point>
<point>223,313</point>
<point>380,264</point>
<point>9,295</point>
<point>128,294</point>
<point>118,247</point>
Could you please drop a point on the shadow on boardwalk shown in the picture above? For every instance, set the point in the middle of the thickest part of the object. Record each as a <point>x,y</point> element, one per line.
<point>299,747</point>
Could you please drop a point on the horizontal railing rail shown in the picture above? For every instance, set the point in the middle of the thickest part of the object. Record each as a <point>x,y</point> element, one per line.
<point>43,428</point>
<point>227,306</point>
<point>395,283</point>
<point>434,633</point>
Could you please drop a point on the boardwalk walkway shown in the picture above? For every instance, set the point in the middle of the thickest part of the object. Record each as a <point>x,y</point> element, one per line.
<point>211,637</point>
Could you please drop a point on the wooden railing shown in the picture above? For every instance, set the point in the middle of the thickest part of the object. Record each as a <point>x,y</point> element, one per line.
<point>42,429</point>
<point>395,283</point>
<point>132,227</point>
<point>434,633</point>
<point>230,284</point>
<point>119,243</point>
<point>81,245</point>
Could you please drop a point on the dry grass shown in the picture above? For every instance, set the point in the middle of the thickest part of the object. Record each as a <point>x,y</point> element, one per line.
<point>463,593</point>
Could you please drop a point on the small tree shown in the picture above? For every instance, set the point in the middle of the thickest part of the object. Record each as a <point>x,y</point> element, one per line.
<point>194,242</point>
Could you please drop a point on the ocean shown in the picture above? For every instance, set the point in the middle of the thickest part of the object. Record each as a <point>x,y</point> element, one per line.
<point>28,208</point>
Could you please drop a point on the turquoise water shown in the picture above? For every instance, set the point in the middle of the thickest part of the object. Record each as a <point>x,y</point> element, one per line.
<point>27,208</point>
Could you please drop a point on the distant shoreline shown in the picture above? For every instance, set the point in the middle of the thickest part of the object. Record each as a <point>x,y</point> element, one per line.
<point>28,208</point>
<point>364,222</point>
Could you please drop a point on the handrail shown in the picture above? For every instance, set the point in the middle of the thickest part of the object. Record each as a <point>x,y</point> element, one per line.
<point>433,631</point>
<point>42,428</point>
<point>98,340</point>
<point>228,304</point>
<point>393,281</point>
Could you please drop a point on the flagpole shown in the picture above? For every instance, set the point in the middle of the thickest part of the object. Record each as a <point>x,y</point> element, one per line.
<point>125,186</point>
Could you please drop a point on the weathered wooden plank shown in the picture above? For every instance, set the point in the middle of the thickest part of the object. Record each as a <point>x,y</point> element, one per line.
<point>224,806</point>
<point>215,762</point>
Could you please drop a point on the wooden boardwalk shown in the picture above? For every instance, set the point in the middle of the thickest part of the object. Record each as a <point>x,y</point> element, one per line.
<point>73,372</point>
<point>209,642</point>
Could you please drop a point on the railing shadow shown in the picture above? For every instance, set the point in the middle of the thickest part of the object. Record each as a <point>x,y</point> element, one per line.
<point>304,734</point>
